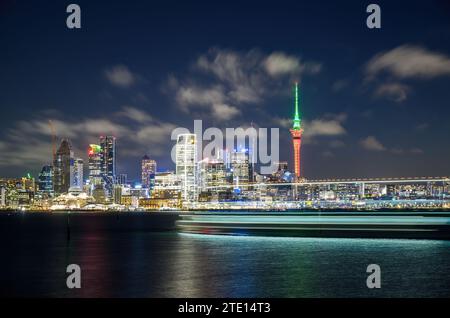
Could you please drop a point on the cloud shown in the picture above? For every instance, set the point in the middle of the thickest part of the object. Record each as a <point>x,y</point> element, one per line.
<point>371,143</point>
<point>28,143</point>
<point>337,144</point>
<point>224,111</point>
<point>135,114</point>
<point>327,154</point>
<point>222,83</point>
<point>329,125</point>
<point>279,63</point>
<point>408,61</point>
<point>339,85</point>
<point>199,96</point>
<point>282,122</point>
<point>393,91</point>
<point>120,76</point>
<point>400,151</point>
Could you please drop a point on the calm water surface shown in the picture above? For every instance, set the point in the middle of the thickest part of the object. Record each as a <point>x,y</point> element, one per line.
<point>141,256</point>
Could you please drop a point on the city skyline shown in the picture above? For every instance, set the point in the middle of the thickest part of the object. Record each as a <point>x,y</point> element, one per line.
<point>363,114</point>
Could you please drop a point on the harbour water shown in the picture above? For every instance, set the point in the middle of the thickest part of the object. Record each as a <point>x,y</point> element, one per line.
<point>142,255</point>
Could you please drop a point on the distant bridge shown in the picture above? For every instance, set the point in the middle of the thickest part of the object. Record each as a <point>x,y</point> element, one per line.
<point>404,180</point>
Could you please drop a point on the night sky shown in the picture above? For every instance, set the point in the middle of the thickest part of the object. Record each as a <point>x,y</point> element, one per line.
<point>374,102</point>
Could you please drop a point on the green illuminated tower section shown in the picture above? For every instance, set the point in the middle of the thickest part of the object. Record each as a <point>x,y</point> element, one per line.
<point>296,133</point>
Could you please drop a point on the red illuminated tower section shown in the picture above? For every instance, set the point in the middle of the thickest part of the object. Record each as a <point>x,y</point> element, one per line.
<point>297,132</point>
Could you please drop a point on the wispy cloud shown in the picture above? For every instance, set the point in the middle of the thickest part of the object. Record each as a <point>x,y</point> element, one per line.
<point>393,91</point>
<point>328,125</point>
<point>372,143</point>
<point>120,75</point>
<point>279,64</point>
<point>28,143</point>
<point>408,61</point>
<point>222,83</point>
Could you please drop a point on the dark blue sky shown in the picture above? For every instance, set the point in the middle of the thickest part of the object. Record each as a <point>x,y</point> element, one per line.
<point>375,102</point>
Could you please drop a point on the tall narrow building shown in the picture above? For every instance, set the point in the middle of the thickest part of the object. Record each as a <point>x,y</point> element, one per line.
<point>45,181</point>
<point>95,166</point>
<point>297,132</point>
<point>242,167</point>
<point>186,165</point>
<point>61,167</point>
<point>148,171</point>
<point>76,173</point>
<point>108,161</point>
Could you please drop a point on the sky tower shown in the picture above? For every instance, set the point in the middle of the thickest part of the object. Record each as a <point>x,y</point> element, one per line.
<point>297,132</point>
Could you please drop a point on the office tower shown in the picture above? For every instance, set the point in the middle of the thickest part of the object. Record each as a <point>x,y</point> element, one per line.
<point>297,132</point>
<point>186,163</point>
<point>122,179</point>
<point>76,173</point>
<point>211,174</point>
<point>95,166</point>
<point>241,167</point>
<point>45,180</point>
<point>108,162</point>
<point>148,171</point>
<point>61,167</point>
<point>117,194</point>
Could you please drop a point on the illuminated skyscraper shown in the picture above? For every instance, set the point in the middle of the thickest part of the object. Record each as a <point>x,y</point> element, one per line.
<point>241,166</point>
<point>61,166</point>
<point>211,173</point>
<point>148,171</point>
<point>186,163</point>
<point>297,132</point>
<point>95,165</point>
<point>108,161</point>
<point>45,181</point>
<point>76,173</point>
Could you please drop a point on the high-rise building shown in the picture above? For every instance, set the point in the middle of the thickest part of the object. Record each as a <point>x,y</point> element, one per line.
<point>186,163</point>
<point>211,173</point>
<point>148,171</point>
<point>61,167</point>
<point>108,161</point>
<point>95,166</point>
<point>45,181</point>
<point>241,167</point>
<point>122,179</point>
<point>297,132</point>
<point>76,173</point>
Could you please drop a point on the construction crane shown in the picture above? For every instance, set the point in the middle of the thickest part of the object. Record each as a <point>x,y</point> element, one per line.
<point>53,132</point>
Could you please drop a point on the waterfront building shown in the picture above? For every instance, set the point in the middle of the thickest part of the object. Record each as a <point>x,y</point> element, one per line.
<point>139,192</point>
<point>297,132</point>
<point>95,166</point>
<point>61,166</point>
<point>167,180</point>
<point>241,167</point>
<point>148,171</point>
<point>45,181</point>
<point>108,162</point>
<point>186,165</point>
<point>117,194</point>
<point>76,173</point>
<point>99,195</point>
<point>211,173</point>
